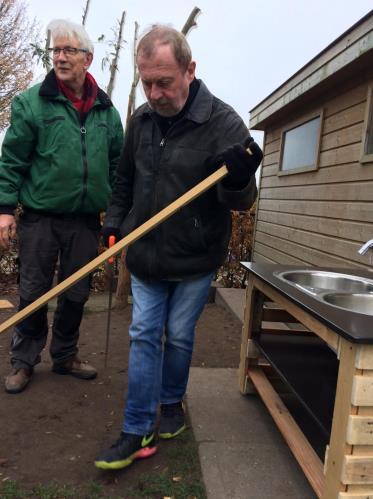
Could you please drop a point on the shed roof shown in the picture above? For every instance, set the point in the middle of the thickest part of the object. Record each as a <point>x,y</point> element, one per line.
<point>350,52</point>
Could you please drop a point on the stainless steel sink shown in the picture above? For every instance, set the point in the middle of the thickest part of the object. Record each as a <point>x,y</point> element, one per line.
<point>355,302</point>
<point>344,291</point>
<point>317,281</point>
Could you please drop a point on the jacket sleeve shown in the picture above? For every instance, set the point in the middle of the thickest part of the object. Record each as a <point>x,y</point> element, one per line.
<point>115,147</point>
<point>235,131</point>
<point>17,151</point>
<point>121,199</point>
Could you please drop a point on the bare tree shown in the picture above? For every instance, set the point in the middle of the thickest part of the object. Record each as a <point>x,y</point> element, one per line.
<point>16,68</point>
<point>114,61</point>
<point>85,12</point>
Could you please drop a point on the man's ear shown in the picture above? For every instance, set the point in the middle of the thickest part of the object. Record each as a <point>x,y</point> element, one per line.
<point>191,71</point>
<point>88,60</point>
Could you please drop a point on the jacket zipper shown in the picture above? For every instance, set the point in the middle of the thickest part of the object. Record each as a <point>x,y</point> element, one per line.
<point>152,261</point>
<point>83,133</point>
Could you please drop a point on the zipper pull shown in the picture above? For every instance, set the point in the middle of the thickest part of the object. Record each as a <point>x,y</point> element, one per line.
<point>162,143</point>
<point>83,130</point>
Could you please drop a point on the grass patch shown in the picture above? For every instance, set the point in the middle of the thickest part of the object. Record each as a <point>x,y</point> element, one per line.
<point>11,490</point>
<point>181,479</point>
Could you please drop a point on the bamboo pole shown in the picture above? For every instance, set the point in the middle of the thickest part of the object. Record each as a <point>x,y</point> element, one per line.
<point>126,241</point>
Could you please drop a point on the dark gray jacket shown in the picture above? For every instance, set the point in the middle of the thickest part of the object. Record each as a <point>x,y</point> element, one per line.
<point>155,170</point>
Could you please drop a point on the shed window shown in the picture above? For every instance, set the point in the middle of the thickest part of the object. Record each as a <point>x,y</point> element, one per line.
<point>367,153</point>
<point>300,146</point>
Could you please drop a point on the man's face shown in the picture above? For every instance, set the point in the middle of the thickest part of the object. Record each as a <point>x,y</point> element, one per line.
<point>165,84</point>
<point>71,69</point>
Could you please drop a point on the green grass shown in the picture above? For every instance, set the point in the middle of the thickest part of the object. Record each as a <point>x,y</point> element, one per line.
<point>181,479</point>
<point>11,490</point>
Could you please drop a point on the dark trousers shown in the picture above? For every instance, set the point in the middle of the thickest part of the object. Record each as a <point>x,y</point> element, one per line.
<point>44,240</point>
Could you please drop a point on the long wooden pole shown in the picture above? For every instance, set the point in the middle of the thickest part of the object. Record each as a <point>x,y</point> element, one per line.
<point>126,241</point>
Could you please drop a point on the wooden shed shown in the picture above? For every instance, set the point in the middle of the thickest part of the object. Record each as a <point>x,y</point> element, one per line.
<point>315,204</point>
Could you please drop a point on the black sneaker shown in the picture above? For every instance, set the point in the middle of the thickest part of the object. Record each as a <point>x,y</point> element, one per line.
<point>125,450</point>
<point>172,421</point>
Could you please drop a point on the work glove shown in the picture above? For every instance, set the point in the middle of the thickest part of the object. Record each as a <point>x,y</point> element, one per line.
<point>106,232</point>
<point>241,165</point>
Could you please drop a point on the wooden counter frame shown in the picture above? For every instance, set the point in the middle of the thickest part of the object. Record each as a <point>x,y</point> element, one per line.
<point>348,469</point>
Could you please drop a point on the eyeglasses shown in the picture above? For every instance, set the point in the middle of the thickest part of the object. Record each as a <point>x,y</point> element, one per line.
<point>67,51</point>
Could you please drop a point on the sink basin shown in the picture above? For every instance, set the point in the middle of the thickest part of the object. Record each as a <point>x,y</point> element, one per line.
<point>355,302</point>
<point>316,281</point>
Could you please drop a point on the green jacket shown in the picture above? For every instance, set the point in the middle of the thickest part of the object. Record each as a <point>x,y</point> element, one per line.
<point>53,163</point>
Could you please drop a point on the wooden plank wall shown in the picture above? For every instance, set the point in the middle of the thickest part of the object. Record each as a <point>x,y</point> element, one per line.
<point>322,217</point>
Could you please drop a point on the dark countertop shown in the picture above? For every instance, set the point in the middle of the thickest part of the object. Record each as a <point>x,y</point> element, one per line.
<point>353,326</point>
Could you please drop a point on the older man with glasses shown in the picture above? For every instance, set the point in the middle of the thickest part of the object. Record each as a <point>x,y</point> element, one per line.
<point>58,162</point>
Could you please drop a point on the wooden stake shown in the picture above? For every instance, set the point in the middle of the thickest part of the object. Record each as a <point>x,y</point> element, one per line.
<point>126,241</point>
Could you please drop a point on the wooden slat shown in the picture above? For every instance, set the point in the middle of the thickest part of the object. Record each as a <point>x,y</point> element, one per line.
<point>302,251</point>
<point>295,439</point>
<point>274,255</point>
<point>364,357</point>
<point>340,156</point>
<point>118,247</point>
<point>357,470</point>
<point>358,231</point>
<point>362,390</point>
<point>345,99</point>
<point>341,210</point>
<point>358,191</point>
<point>272,313</point>
<point>349,172</point>
<point>360,430</point>
<point>4,304</point>
<point>356,495</point>
<point>336,246</point>
<point>343,137</point>
<point>350,116</point>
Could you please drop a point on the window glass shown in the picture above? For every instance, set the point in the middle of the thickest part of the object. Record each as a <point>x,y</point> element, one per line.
<point>300,146</point>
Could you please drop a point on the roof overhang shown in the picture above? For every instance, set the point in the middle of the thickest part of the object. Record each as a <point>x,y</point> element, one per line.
<point>352,50</point>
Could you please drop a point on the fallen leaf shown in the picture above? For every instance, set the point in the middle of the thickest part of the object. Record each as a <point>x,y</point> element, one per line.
<point>3,461</point>
<point>176,478</point>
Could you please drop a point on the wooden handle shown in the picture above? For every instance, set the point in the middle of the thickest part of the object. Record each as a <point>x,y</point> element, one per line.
<point>126,241</point>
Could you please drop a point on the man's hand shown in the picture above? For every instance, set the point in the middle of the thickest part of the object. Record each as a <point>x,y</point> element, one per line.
<point>106,232</point>
<point>241,164</point>
<point>7,230</point>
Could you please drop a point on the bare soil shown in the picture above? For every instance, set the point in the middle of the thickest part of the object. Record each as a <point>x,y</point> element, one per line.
<point>53,430</point>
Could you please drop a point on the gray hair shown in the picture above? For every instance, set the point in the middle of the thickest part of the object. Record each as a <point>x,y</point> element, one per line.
<point>62,28</point>
<point>160,34</point>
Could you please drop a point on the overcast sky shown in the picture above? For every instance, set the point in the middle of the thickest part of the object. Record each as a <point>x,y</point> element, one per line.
<point>244,49</point>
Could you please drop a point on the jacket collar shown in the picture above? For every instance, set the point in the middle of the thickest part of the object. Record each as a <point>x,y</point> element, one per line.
<point>49,89</point>
<point>200,109</point>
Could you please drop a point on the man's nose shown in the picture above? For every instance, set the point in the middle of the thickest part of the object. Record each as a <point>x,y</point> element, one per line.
<point>60,56</point>
<point>155,92</point>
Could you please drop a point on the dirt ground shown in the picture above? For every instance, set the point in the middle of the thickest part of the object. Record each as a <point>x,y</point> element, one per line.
<point>53,431</point>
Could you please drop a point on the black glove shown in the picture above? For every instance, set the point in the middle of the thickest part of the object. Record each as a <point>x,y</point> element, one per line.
<point>241,164</point>
<point>106,232</point>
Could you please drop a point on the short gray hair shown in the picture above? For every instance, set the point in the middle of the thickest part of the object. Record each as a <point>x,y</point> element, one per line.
<point>63,28</point>
<point>160,34</point>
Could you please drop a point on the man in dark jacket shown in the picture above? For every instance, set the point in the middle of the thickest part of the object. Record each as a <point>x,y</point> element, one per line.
<point>59,158</point>
<point>173,142</point>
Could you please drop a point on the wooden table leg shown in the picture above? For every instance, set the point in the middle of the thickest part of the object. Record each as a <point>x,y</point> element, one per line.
<point>252,323</point>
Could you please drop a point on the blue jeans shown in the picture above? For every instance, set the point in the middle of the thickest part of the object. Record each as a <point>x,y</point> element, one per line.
<point>158,371</point>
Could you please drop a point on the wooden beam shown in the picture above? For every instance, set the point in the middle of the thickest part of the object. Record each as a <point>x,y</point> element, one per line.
<point>357,470</point>
<point>297,442</point>
<point>126,241</point>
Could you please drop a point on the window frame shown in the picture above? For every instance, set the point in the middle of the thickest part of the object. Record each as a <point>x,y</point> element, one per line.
<point>368,122</point>
<point>319,113</point>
